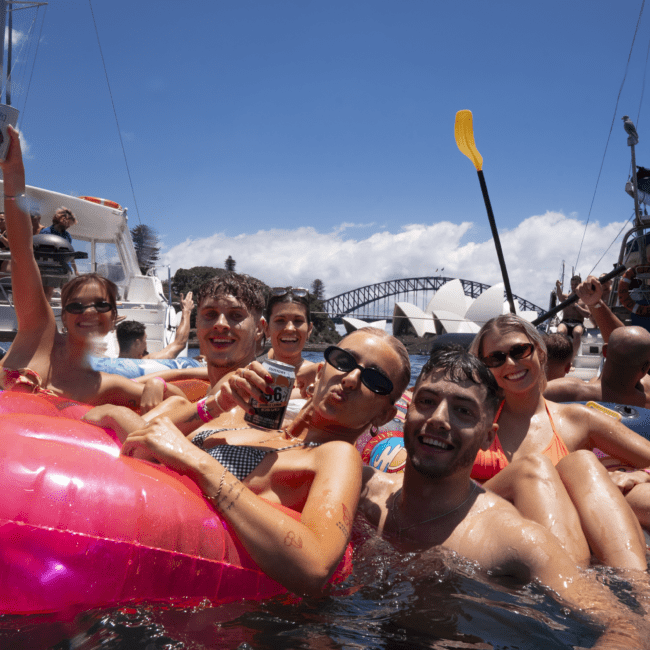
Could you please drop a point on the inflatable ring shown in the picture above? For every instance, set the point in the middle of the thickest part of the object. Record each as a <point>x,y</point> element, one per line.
<point>106,202</point>
<point>624,292</point>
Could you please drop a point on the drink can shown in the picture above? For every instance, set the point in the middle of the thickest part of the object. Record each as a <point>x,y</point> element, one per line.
<point>270,414</point>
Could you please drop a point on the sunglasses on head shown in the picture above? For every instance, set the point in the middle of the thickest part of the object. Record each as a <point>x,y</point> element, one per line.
<point>101,307</point>
<point>371,378</point>
<point>516,352</point>
<point>298,292</point>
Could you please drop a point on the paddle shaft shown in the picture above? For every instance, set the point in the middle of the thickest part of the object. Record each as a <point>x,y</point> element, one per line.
<point>497,241</point>
<point>569,301</point>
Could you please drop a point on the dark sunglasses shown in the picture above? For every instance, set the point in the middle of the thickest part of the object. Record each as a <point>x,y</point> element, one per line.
<point>101,307</point>
<point>371,378</point>
<point>516,352</point>
<point>298,292</point>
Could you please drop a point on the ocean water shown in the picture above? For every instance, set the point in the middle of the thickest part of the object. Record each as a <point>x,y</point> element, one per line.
<point>392,601</point>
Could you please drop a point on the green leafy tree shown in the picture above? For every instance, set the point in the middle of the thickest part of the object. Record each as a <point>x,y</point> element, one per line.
<point>230,263</point>
<point>318,290</point>
<point>147,246</point>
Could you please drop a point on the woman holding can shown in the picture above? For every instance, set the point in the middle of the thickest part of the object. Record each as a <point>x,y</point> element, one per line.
<point>288,326</point>
<point>311,467</point>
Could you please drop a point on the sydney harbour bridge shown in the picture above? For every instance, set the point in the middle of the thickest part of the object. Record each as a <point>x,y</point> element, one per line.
<point>375,301</point>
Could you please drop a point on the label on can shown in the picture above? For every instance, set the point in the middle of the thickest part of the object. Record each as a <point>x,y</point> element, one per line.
<point>270,414</point>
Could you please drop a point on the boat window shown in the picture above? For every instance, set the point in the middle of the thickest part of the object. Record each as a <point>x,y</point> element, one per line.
<point>107,259</point>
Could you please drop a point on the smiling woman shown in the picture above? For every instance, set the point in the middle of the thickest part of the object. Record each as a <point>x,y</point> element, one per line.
<point>41,359</point>
<point>288,325</point>
<point>536,436</point>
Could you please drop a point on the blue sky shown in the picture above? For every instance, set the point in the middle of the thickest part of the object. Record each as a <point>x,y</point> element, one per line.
<point>316,139</point>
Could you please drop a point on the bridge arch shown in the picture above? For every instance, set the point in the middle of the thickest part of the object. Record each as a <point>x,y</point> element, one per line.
<point>351,302</point>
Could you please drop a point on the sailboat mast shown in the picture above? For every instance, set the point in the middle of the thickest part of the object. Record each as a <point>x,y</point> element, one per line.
<point>3,16</point>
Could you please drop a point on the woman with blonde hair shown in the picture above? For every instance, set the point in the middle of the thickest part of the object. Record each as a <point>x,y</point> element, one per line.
<point>535,434</point>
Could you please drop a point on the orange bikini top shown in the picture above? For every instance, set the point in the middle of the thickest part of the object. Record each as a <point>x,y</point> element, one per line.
<point>490,462</point>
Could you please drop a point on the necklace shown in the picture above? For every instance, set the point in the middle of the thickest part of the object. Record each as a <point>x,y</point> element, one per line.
<point>400,530</point>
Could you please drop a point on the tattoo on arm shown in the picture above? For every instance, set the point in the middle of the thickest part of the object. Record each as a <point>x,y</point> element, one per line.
<point>293,540</point>
<point>192,418</point>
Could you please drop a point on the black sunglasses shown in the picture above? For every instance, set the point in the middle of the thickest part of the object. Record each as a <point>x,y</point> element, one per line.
<point>516,352</point>
<point>101,307</point>
<point>371,378</point>
<point>298,292</point>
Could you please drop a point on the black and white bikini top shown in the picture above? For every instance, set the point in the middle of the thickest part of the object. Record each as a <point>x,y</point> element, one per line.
<point>239,460</point>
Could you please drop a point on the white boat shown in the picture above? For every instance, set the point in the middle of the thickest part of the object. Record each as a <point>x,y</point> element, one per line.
<point>103,233</point>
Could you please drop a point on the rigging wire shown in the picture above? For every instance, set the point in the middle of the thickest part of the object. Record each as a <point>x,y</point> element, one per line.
<point>613,241</point>
<point>29,85</point>
<point>611,128</point>
<point>26,43</point>
<point>119,132</point>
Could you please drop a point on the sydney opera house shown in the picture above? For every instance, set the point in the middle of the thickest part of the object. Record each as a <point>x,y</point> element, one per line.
<point>449,311</point>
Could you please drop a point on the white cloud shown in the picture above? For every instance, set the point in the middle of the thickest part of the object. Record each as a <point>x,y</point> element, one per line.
<point>17,37</point>
<point>533,252</point>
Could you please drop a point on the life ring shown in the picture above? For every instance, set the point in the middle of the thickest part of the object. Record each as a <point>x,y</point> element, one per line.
<point>106,202</point>
<point>624,292</point>
<point>82,527</point>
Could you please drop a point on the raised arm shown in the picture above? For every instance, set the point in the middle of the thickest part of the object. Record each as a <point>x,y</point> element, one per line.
<point>182,332</point>
<point>33,312</point>
<point>301,555</point>
<point>591,292</point>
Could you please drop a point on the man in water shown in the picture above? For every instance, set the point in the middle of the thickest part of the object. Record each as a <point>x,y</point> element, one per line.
<point>434,503</point>
<point>627,361</point>
<point>574,315</point>
<point>559,349</point>
<point>132,336</point>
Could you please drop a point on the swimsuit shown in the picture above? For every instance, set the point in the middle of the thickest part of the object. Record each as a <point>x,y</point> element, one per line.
<point>571,324</point>
<point>489,463</point>
<point>240,460</point>
<point>23,380</point>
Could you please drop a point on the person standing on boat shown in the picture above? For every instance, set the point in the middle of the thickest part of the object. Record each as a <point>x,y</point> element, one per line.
<point>435,504</point>
<point>37,226</point>
<point>61,221</point>
<point>573,316</point>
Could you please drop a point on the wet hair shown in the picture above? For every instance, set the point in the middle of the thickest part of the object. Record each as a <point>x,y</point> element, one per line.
<point>401,383</point>
<point>512,323</point>
<point>70,288</point>
<point>459,365</point>
<point>247,289</point>
<point>287,297</point>
<point>61,214</point>
<point>559,348</point>
<point>128,332</point>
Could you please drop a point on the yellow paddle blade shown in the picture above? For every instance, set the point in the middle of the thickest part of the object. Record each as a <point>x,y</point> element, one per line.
<point>464,132</point>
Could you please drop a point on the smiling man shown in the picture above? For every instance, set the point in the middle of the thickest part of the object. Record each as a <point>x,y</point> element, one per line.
<point>434,503</point>
<point>229,323</point>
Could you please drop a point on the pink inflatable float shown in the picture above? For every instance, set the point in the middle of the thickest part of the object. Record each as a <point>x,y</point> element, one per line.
<point>82,527</point>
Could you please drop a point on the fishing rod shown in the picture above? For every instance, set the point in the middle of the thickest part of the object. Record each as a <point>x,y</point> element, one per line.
<point>574,298</point>
<point>464,133</point>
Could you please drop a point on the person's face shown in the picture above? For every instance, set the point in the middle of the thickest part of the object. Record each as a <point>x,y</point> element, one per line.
<point>91,322</point>
<point>574,284</point>
<point>342,400</point>
<point>139,347</point>
<point>446,424</point>
<point>514,375</point>
<point>2,222</point>
<point>227,332</point>
<point>288,329</point>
